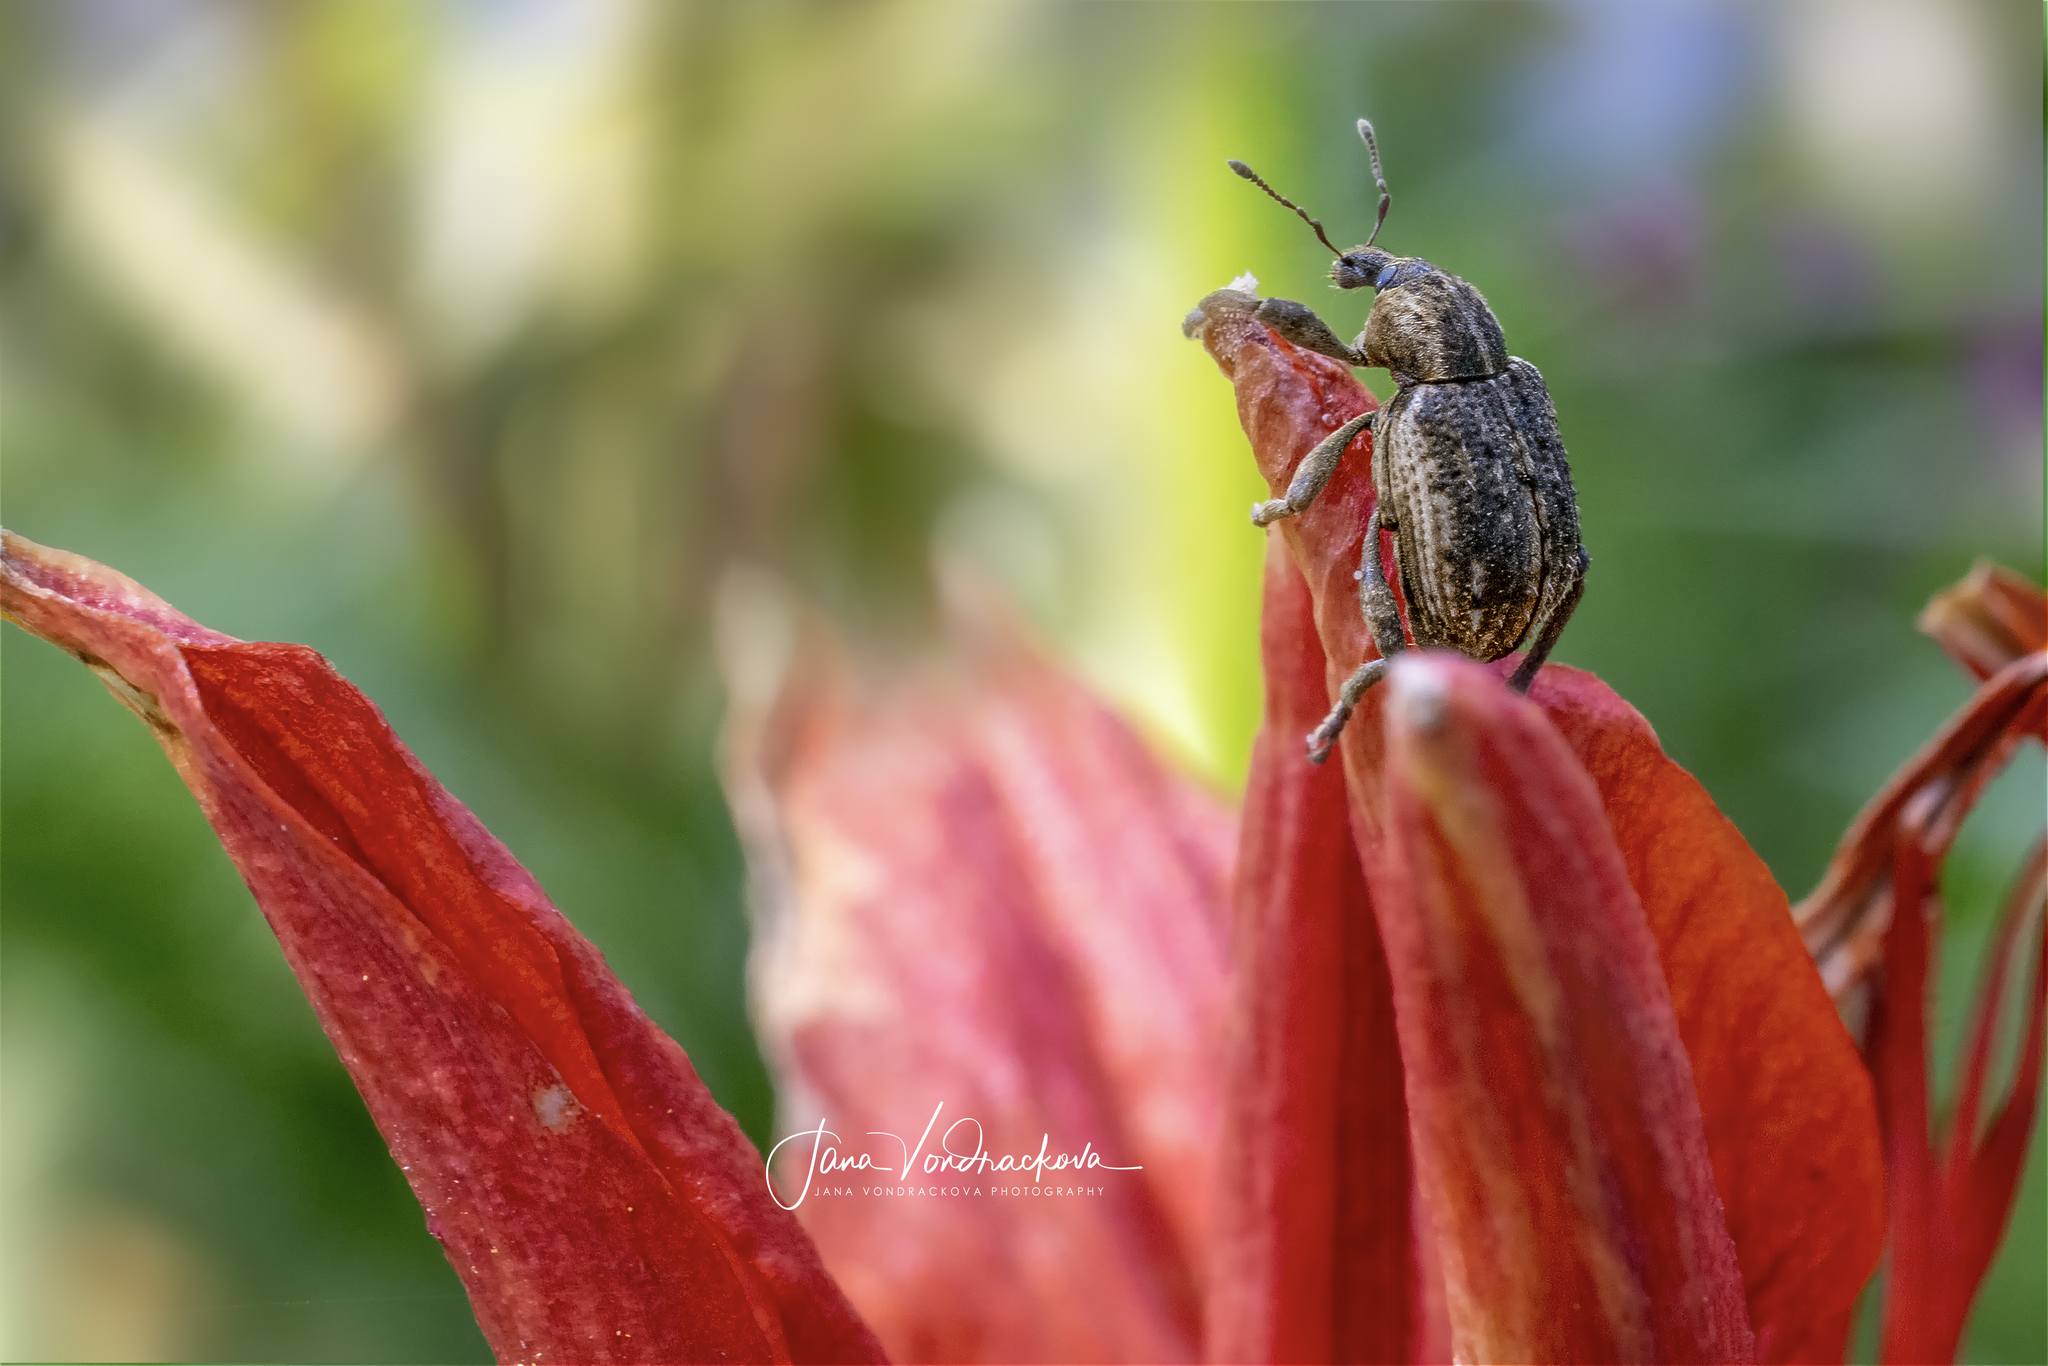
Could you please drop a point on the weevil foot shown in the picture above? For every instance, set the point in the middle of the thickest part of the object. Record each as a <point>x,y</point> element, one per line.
<point>1320,744</point>
<point>1271,511</point>
<point>1323,738</point>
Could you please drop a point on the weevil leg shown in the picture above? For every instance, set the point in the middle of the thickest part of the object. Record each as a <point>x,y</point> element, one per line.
<point>1311,474</point>
<point>1375,594</point>
<point>1323,738</point>
<point>1300,325</point>
<point>1550,628</point>
<point>1383,619</point>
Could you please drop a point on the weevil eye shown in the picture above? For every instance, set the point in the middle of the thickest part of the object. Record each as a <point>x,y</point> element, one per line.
<point>1361,267</point>
<point>1355,269</point>
<point>1384,278</point>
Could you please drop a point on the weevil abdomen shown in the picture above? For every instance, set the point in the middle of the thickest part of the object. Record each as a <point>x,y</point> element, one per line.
<point>1473,475</point>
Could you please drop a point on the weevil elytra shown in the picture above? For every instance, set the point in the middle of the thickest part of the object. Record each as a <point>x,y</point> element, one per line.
<point>1468,471</point>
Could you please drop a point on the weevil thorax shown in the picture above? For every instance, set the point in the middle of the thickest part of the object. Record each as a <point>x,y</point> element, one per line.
<point>1426,325</point>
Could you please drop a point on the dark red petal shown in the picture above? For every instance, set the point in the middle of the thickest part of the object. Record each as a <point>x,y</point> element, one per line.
<point>1789,1114</point>
<point>596,1202</point>
<point>2003,1146</point>
<point>1315,1254</point>
<point>982,892</point>
<point>1875,922</point>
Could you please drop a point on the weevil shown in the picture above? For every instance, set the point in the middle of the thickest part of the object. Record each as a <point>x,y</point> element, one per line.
<point>1468,470</point>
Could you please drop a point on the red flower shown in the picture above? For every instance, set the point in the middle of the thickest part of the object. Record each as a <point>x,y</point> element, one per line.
<point>1497,1042</point>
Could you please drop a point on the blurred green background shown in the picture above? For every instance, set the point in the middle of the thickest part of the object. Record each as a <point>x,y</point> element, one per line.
<point>473,343</point>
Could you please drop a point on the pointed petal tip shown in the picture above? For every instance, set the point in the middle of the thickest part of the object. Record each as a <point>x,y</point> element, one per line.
<point>1418,694</point>
<point>43,590</point>
<point>1439,701</point>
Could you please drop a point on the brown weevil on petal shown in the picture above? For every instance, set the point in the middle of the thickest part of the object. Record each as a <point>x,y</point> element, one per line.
<point>1469,468</point>
<point>1790,1119</point>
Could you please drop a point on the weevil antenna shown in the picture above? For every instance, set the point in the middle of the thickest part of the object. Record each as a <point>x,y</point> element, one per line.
<point>1379,177</point>
<point>1253,176</point>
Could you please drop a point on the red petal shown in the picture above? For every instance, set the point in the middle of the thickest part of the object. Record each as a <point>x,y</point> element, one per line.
<point>1558,1141</point>
<point>2022,914</point>
<point>595,1201</point>
<point>983,893</point>
<point>1789,1114</point>
<point>1315,1252</point>
<point>1950,1210</point>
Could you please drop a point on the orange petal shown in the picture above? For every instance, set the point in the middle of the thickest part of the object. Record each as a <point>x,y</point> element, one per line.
<point>981,896</point>
<point>1315,1251</point>
<point>1790,1119</point>
<point>595,1201</point>
<point>1559,1143</point>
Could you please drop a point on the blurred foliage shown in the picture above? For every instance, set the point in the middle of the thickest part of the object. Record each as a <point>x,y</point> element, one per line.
<point>474,343</point>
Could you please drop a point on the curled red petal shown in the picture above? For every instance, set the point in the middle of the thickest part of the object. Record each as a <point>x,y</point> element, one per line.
<point>981,896</point>
<point>1790,1117</point>
<point>596,1202</point>
<point>1988,620</point>
<point>1559,1142</point>
<point>1844,919</point>
<point>1315,1255</point>
<point>1875,923</point>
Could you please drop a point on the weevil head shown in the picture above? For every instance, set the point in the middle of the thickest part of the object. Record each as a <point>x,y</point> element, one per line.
<point>1373,268</point>
<point>1426,324</point>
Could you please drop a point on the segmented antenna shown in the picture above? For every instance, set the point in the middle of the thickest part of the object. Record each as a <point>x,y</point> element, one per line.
<point>1253,176</point>
<point>1379,178</point>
